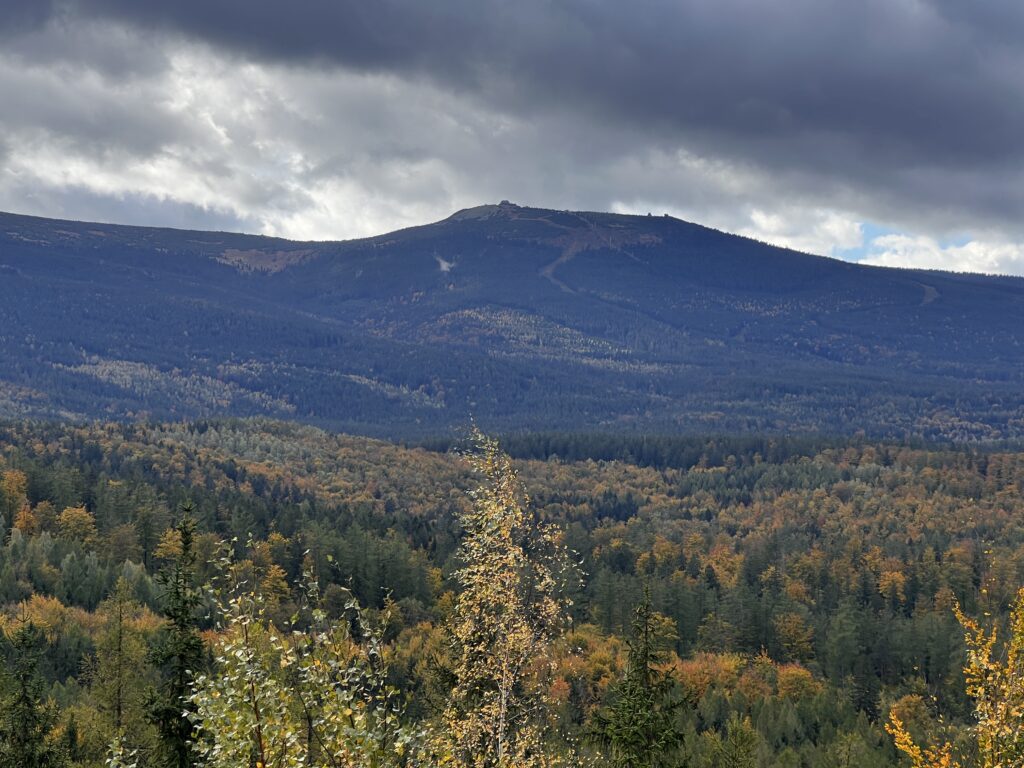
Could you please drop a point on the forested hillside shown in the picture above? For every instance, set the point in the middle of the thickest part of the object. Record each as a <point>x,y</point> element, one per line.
<point>784,596</point>
<point>524,318</point>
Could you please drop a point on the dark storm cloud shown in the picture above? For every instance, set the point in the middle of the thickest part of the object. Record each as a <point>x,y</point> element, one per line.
<point>19,15</point>
<point>903,79</point>
<point>907,113</point>
<point>879,93</point>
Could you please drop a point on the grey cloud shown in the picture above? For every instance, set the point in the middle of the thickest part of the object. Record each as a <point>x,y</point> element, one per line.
<point>120,54</point>
<point>878,93</point>
<point>90,120</point>
<point>21,15</point>
<point>903,79</point>
<point>905,112</point>
<point>82,204</point>
<point>1001,21</point>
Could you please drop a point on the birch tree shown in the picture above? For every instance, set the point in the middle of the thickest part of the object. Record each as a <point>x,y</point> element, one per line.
<point>506,615</point>
<point>995,682</point>
<point>316,697</point>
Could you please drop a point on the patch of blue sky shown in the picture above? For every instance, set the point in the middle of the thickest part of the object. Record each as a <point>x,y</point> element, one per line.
<point>871,231</point>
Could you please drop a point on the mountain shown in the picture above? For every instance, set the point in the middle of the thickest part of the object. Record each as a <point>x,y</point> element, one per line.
<point>522,318</point>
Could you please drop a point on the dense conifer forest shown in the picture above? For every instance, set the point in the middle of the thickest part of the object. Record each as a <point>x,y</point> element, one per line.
<point>232,593</point>
<point>526,318</point>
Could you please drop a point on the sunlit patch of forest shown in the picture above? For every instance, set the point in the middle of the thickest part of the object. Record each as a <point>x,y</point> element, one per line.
<point>257,593</point>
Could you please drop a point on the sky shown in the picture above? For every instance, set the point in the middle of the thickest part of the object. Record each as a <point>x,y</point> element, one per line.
<point>882,131</point>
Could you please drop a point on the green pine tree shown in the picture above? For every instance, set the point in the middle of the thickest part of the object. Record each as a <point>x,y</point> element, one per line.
<point>177,653</point>
<point>119,674</point>
<point>738,748</point>
<point>26,718</point>
<point>638,729</point>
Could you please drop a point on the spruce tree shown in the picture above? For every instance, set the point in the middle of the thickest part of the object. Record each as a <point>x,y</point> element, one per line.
<point>738,747</point>
<point>637,729</point>
<point>26,718</point>
<point>177,653</point>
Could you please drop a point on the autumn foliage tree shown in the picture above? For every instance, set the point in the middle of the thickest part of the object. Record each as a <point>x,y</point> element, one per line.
<point>13,487</point>
<point>995,683</point>
<point>77,524</point>
<point>289,698</point>
<point>507,613</point>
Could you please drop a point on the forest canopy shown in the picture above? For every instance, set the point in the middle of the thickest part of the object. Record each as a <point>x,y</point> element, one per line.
<point>773,603</point>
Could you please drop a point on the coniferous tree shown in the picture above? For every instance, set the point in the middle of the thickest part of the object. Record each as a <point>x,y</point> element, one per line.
<point>119,673</point>
<point>71,739</point>
<point>737,747</point>
<point>638,729</point>
<point>26,718</point>
<point>178,653</point>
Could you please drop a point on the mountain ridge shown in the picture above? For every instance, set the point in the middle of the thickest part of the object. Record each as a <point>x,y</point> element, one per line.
<point>525,318</point>
<point>460,215</point>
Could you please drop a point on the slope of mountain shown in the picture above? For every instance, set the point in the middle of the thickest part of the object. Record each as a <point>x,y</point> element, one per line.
<point>524,318</point>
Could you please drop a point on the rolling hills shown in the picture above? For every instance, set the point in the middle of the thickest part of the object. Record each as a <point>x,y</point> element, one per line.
<point>522,318</point>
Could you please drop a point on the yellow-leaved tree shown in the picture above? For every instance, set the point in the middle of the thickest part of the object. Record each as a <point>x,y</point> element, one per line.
<point>995,682</point>
<point>316,697</point>
<point>507,613</point>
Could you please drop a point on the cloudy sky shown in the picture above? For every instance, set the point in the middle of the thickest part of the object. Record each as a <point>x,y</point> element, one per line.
<point>888,131</point>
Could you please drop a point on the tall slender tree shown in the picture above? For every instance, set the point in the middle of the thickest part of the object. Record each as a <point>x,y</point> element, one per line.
<point>735,748</point>
<point>506,615</point>
<point>177,653</point>
<point>119,673</point>
<point>26,718</point>
<point>637,729</point>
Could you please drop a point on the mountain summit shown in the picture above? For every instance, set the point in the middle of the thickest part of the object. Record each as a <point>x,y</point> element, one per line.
<point>525,318</point>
